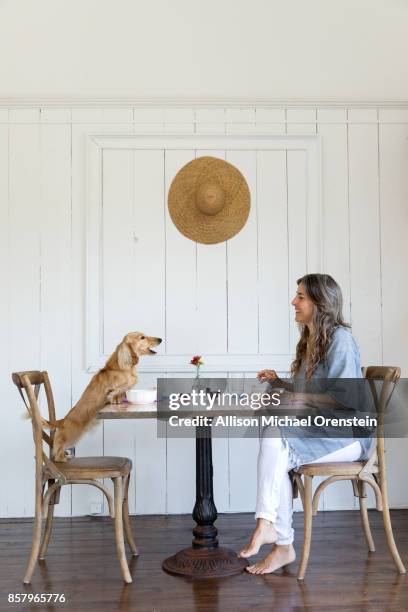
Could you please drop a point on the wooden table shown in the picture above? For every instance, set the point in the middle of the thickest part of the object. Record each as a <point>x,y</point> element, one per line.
<point>205,558</point>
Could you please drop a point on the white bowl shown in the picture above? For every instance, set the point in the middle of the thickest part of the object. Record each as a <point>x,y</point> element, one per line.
<point>141,396</point>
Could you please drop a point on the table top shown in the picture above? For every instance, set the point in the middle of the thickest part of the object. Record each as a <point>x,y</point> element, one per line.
<point>128,411</point>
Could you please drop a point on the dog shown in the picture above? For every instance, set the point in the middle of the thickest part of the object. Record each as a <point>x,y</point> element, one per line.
<point>109,385</point>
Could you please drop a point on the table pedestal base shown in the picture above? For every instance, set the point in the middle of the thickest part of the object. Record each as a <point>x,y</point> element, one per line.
<point>205,558</point>
<point>205,563</point>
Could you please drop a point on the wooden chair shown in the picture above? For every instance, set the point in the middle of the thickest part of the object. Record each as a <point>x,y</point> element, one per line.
<point>360,473</point>
<point>81,470</point>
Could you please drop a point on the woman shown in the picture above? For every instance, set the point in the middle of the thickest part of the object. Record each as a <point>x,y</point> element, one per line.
<point>326,349</point>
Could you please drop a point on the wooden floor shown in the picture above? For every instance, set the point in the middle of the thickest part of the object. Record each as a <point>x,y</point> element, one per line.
<point>82,564</point>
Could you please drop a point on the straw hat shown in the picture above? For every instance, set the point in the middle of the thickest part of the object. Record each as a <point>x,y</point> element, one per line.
<point>209,200</point>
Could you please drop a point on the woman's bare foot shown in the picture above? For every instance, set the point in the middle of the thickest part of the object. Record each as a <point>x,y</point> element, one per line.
<point>279,557</point>
<point>264,533</point>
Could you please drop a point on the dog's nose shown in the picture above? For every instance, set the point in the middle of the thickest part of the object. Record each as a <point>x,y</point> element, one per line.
<point>159,340</point>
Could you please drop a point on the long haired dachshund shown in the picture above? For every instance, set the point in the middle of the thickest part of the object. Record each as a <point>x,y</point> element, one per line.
<point>109,385</point>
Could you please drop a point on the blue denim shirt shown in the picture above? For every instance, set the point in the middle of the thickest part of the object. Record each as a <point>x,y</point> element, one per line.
<point>342,361</point>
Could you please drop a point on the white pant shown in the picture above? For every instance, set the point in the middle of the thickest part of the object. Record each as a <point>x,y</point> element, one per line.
<point>274,488</point>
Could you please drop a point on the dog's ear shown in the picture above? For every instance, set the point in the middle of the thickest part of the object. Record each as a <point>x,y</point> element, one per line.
<point>124,356</point>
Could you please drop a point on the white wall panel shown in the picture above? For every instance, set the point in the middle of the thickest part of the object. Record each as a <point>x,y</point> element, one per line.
<point>272,199</point>
<point>180,471</point>
<point>149,465</point>
<point>242,265</point>
<point>301,121</point>
<point>270,121</point>
<point>132,245</point>
<point>394,254</point>
<point>149,461</point>
<point>365,261</point>
<point>297,224</point>
<point>181,475</point>
<point>243,454</point>
<point>221,465</point>
<point>119,284</point>
<point>336,247</point>
<point>181,262</point>
<point>149,244</point>
<point>212,317</point>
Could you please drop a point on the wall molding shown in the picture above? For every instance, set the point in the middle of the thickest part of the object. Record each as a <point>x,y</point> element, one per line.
<point>67,102</point>
<point>96,143</point>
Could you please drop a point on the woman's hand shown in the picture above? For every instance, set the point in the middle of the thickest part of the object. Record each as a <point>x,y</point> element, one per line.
<point>267,375</point>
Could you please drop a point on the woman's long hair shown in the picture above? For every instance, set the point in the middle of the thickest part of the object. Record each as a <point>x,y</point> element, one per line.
<point>326,295</point>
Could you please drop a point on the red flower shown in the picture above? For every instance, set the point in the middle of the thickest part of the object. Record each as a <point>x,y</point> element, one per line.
<point>197,360</point>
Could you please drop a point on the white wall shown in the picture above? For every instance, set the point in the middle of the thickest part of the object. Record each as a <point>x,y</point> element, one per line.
<point>272,49</point>
<point>42,267</point>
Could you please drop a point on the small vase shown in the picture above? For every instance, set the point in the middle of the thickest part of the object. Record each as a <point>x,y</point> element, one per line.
<point>198,383</point>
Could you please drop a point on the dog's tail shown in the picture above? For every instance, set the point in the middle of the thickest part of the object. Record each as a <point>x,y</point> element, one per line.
<point>51,425</point>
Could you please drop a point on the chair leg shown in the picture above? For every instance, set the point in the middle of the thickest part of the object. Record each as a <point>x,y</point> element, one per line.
<point>362,498</point>
<point>307,511</point>
<point>35,546</point>
<point>388,532</point>
<point>120,545</point>
<point>126,520</point>
<point>47,531</point>
<point>356,490</point>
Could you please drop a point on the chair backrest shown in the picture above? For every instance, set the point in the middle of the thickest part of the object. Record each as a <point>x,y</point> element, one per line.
<point>381,393</point>
<point>30,383</point>
<point>389,375</point>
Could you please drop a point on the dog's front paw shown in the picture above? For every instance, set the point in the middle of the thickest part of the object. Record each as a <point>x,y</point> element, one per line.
<point>118,399</point>
<point>60,458</point>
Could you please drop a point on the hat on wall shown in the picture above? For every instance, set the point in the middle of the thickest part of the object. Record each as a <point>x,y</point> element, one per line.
<point>209,200</point>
